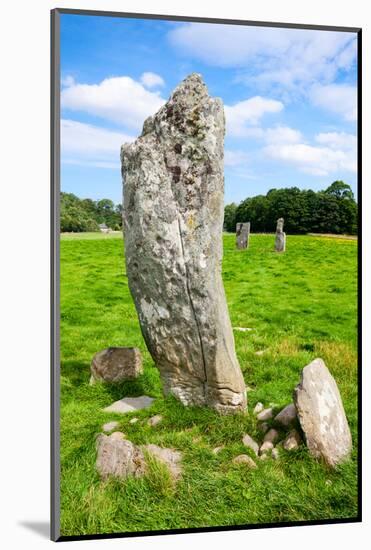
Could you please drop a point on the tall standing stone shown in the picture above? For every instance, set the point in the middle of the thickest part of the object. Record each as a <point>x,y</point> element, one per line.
<point>280,244</point>
<point>173,219</point>
<point>242,235</point>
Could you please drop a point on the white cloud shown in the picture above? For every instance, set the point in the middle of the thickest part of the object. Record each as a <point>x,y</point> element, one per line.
<point>67,81</point>
<point>151,80</point>
<point>340,99</point>
<point>249,111</point>
<point>235,158</point>
<point>88,145</point>
<point>119,99</point>
<point>289,58</point>
<point>282,134</point>
<point>336,153</point>
<point>337,140</point>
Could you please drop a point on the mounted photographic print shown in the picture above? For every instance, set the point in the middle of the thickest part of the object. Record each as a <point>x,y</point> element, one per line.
<point>205,349</point>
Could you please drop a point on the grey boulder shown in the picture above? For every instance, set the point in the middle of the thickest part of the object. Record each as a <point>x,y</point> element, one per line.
<point>116,365</point>
<point>287,417</point>
<point>118,457</point>
<point>321,414</point>
<point>129,404</point>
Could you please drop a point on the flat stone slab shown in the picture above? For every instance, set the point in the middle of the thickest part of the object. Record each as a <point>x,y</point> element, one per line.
<point>129,404</point>
<point>321,414</point>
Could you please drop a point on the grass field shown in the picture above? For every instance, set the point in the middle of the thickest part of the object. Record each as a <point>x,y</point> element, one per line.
<point>300,305</point>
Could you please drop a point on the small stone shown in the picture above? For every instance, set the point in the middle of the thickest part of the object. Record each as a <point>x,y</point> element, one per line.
<point>242,329</point>
<point>260,352</point>
<point>328,482</point>
<point>244,459</point>
<point>259,407</point>
<point>129,404</point>
<point>287,417</point>
<point>266,446</point>
<point>263,427</point>
<point>118,457</point>
<point>275,453</point>
<point>272,435</point>
<point>154,420</point>
<point>133,420</point>
<point>292,441</point>
<point>264,456</point>
<point>217,450</point>
<point>250,443</point>
<point>321,414</point>
<point>170,457</point>
<point>266,414</point>
<point>116,365</point>
<point>110,426</point>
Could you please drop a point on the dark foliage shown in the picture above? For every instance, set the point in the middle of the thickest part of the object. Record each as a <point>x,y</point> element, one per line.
<point>85,214</point>
<point>331,211</point>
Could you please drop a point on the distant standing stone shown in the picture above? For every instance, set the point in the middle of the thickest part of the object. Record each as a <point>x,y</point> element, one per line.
<point>173,176</point>
<point>242,235</point>
<point>129,404</point>
<point>118,457</point>
<point>321,414</point>
<point>287,417</point>
<point>116,365</point>
<point>280,243</point>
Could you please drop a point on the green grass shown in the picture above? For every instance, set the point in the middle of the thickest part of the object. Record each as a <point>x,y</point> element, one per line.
<point>300,305</point>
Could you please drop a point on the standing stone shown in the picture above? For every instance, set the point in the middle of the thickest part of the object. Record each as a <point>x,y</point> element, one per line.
<point>116,365</point>
<point>173,219</point>
<point>242,235</point>
<point>321,414</point>
<point>280,244</point>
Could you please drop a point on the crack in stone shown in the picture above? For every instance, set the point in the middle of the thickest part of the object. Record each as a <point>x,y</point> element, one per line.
<point>192,306</point>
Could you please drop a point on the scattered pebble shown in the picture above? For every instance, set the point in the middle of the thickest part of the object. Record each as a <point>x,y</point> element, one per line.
<point>272,435</point>
<point>266,414</point>
<point>248,441</point>
<point>242,329</point>
<point>216,450</point>
<point>275,453</point>
<point>154,420</point>
<point>260,352</point>
<point>266,446</point>
<point>287,417</point>
<point>244,459</point>
<point>264,456</point>
<point>110,426</point>
<point>133,420</point>
<point>263,427</point>
<point>292,441</point>
<point>259,407</point>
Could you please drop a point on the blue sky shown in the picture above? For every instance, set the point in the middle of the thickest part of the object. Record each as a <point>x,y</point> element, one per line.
<point>289,96</point>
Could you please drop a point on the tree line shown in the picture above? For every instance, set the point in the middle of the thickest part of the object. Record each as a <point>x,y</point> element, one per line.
<point>333,210</point>
<point>78,215</point>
